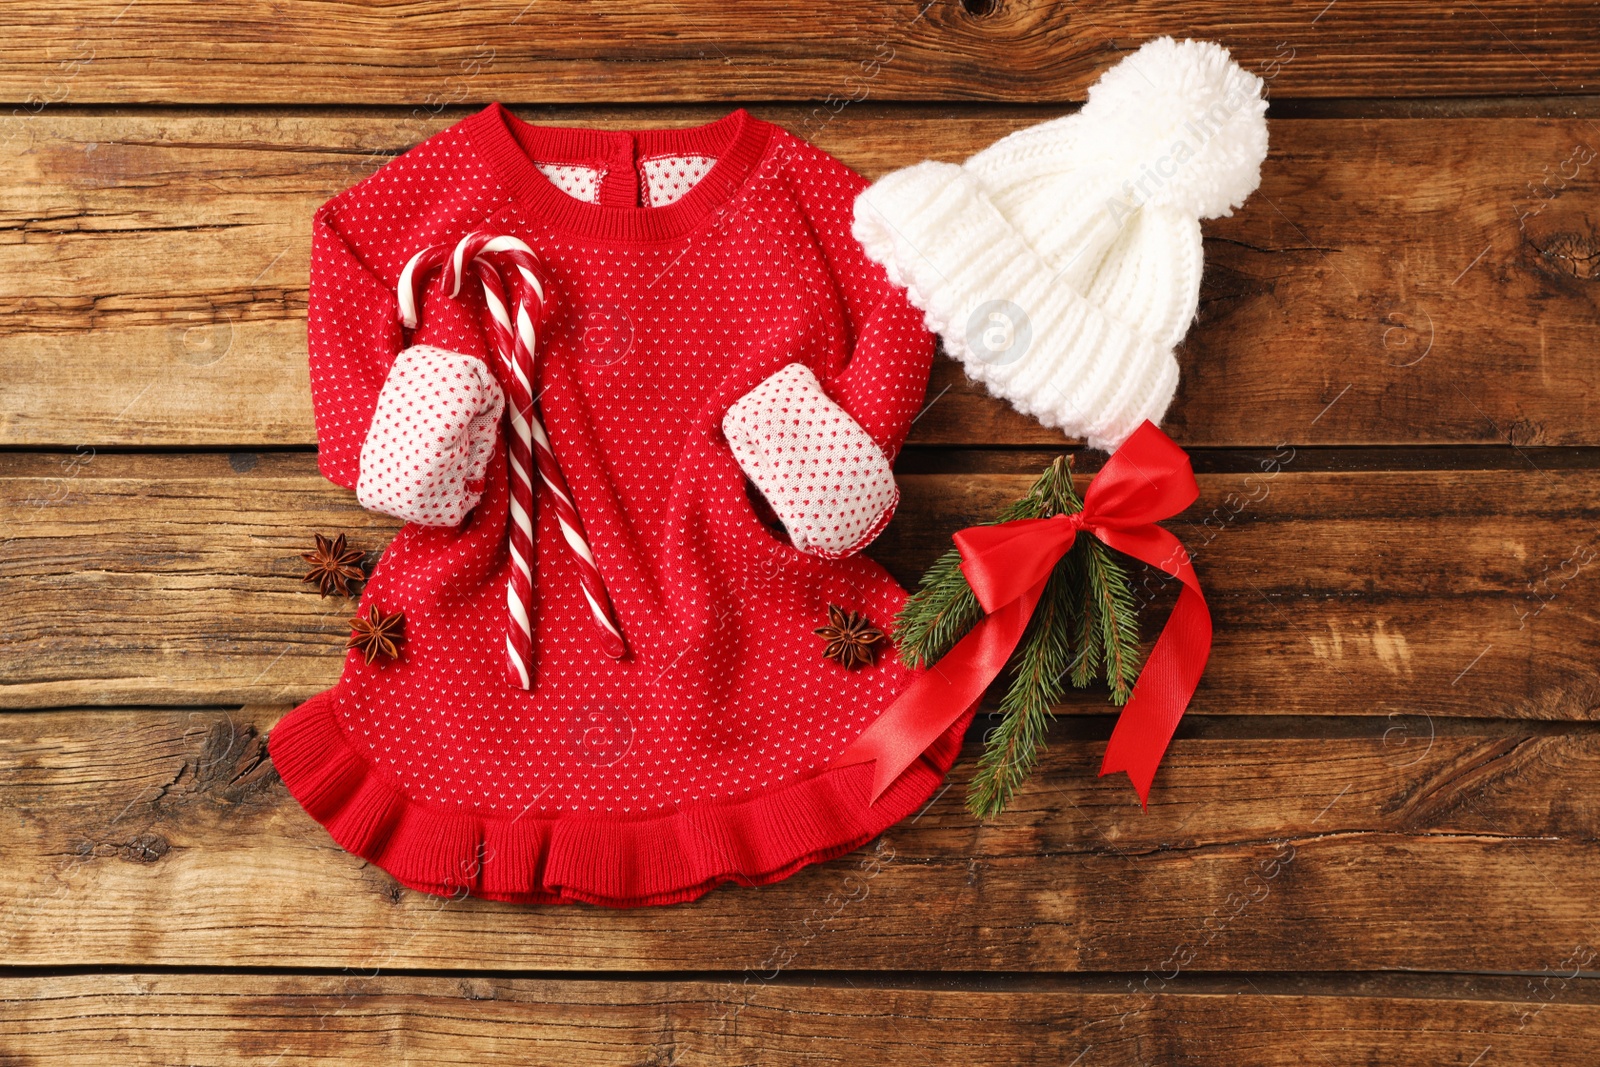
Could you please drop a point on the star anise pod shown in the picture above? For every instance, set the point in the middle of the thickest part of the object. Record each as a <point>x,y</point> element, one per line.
<point>851,641</point>
<point>333,566</point>
<point>378,634</point>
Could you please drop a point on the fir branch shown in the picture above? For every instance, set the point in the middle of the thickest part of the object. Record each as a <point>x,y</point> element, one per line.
<point>944,608</point>
<point>1087,636</point>
<point>1085,627</point>
<point>938,614</point>
<point>1111,596</point>
<point>1081,617</point>
<point>1038,675</point>
<point>1038,668</point>
<point>1057,483</point>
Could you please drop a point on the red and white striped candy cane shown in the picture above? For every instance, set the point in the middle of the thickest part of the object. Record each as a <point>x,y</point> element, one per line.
<point>487,256</point>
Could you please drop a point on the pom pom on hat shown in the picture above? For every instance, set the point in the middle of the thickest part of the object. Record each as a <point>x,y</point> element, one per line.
<point>1190,108</point>
<point>1061,265</point>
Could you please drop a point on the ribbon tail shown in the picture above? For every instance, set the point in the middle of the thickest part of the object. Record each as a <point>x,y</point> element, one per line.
<point>1161,694</point>
<point>903,731</point>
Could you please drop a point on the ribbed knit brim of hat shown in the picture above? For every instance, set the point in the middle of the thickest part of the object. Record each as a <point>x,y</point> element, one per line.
<point>1009,315</point>
<point>1061,265</point>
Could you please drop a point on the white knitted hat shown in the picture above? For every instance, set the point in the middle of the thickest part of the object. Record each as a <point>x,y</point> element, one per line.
<point>1061,264</point>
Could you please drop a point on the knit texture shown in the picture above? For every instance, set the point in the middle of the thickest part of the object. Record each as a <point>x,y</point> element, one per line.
<point>1061,265</point>
<point>432,434</point>
<point>701,757</point>
<point>824,476</point>
<point>669,177</point>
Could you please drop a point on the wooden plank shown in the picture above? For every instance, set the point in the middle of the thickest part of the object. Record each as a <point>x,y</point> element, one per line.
<point>175,580</point>
<point>430,53</point>
<point>1393,282</point>
<point>163,838</point>
<point>359,1020</point>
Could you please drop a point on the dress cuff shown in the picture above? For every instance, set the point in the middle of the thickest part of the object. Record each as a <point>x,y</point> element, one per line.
<point>432,434</point>
<point>825,477</point>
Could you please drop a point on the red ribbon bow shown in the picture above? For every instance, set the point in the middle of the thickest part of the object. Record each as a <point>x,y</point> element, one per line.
<point>1007,565</point>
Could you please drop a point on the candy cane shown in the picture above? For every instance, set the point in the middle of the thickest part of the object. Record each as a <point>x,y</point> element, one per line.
<point>528,445</point>
<point>517,345</point>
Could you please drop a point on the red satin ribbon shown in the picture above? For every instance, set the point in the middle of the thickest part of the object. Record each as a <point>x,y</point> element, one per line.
<point>1007,565</point>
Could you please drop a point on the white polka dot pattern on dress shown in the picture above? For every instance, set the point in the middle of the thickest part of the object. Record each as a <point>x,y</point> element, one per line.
<point>431,437</point>
<point>670,177</point>
<point>703,756</point>
<point>824,476</point>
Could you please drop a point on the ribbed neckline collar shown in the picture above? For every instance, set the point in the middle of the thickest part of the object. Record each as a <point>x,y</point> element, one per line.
<point>511,147</point>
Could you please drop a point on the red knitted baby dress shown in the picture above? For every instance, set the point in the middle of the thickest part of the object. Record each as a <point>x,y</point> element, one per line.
<point>700,284</point>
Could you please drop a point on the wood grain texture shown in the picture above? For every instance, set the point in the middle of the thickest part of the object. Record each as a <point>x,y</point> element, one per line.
<point>1393,282</point>
<point>144,838</point>
<point>175,580</point>
<point>429,53</point>
<point>359,1020</point>
<point>1392,767</point>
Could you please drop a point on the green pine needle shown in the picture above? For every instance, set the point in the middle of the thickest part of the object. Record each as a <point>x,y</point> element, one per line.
<point>938,615</point>
<point>1112,597</point>
<point>1088,638</point>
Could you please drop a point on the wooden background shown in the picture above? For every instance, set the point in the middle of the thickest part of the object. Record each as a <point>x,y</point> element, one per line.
<point>1375,838</point>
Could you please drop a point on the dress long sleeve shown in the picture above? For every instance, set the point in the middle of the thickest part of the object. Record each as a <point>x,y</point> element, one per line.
<point>884,382</point>
<point>353,336</point>
<point>821,452</point>
<point>410,429</point>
